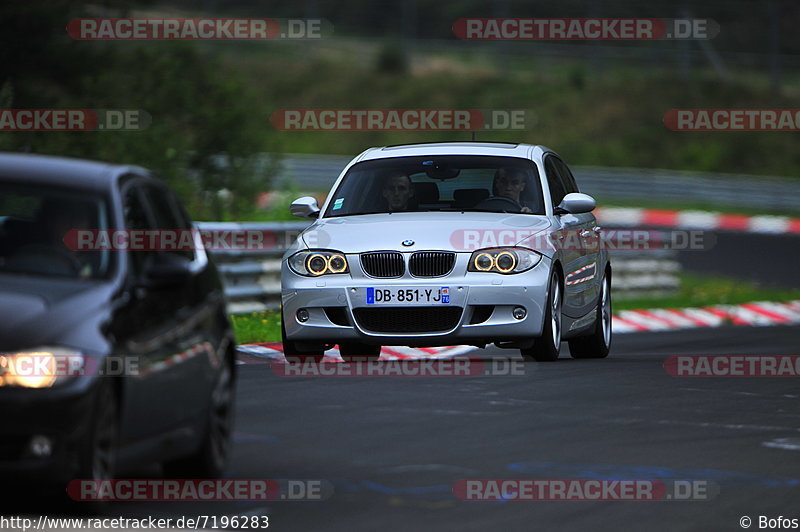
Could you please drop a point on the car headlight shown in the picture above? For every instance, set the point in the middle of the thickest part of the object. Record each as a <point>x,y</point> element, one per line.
<point>42,367</point>
<point>503,260</point>
<point>313,263</point>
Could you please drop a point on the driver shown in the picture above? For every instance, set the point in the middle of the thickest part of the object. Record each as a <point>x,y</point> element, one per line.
<point>398,191</point>
<point>60,219</point>
<point>509,183</point>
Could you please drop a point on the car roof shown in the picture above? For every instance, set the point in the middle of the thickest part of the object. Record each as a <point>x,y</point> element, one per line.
<point>502,149</point>
<point>62,171</point>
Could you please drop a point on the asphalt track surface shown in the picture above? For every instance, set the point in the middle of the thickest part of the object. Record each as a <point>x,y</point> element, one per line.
<point>393,447</point>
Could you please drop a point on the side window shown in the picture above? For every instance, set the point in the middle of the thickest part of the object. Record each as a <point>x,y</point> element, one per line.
<point>184,219</point>
<point>566,176</point>
<point>557,190</point>
<point>167,217</point>
<point>135,220</point>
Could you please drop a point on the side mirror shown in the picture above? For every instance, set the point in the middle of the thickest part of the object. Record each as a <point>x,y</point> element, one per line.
<point>576,203</point>
<point>162,269</point>
<point>305,207</point>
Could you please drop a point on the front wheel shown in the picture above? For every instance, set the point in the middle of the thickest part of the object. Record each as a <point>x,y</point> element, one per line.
<point>99,454</point>
<point>210,459</point>
<point>548,345</point>
<point>292,354</point>
<point>597,344</point>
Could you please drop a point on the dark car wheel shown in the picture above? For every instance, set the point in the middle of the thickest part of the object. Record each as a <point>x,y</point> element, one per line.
<point>212,456</point>
<point>597,344</point>
<point>293,354</point>
<point>98,457</point>
<point>547,346</point>
<point>358,352</point>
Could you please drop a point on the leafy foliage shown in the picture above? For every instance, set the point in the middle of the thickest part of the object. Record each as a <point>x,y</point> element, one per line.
<point>204,137</point>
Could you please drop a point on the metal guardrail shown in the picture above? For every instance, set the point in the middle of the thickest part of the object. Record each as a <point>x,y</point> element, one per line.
<point>252,277</point>
<point>318,172</point>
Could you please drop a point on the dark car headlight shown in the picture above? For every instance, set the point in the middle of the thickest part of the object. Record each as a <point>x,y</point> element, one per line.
<point>313,263</point>
<point>503,260</point>
<point>42,367</point>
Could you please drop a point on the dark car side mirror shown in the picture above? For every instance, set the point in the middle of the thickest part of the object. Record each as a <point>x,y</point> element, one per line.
<point>162,269</point>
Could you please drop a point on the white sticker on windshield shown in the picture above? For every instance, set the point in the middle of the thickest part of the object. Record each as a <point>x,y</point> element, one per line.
<point>338,203</point>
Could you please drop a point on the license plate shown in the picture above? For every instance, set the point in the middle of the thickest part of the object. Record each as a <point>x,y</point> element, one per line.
<point>408,296</point>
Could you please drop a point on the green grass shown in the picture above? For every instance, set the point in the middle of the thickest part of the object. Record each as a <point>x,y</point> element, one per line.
<point>701,290</point>
<point>613,119</point>
<point>696,291</point>
<point>257,327</point>
<point>609,119</point>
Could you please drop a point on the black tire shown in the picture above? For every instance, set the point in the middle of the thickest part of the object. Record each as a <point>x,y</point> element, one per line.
<point>98,457</point>
<point>598,343</point>
<point>358,352</point>
<point>546,348</point>
<point>210,459</point>
<point>292,354</point>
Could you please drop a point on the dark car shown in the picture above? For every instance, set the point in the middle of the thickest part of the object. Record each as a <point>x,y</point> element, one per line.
<point>137,345</point>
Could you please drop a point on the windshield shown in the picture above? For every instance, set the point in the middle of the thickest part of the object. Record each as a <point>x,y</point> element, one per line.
<point>439,183</point>
<point>36,225</point>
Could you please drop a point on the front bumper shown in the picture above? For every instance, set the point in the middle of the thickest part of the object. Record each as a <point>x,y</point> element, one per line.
<point>61,414</point>
<point>486,301</point>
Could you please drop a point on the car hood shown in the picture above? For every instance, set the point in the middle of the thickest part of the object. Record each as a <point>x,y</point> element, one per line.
<point>41,311</point>
<point>429,230</point>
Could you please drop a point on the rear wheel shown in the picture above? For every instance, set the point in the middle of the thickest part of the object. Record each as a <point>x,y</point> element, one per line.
<point>547,346</point>
<point>597,344</point>
<point>293,354</point>
<point>358,352</point>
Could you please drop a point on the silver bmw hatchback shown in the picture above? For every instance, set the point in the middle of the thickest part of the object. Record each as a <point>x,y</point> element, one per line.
<point>452,243</point>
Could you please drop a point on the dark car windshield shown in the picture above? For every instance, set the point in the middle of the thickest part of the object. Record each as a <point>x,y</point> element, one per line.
<point>439,183</point>
<point>40,229</point>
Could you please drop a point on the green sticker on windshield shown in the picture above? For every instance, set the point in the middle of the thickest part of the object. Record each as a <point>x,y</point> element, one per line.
<point>338,203</point>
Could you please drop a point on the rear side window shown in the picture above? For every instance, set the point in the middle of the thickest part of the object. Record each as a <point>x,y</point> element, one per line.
<point>167,216</point>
